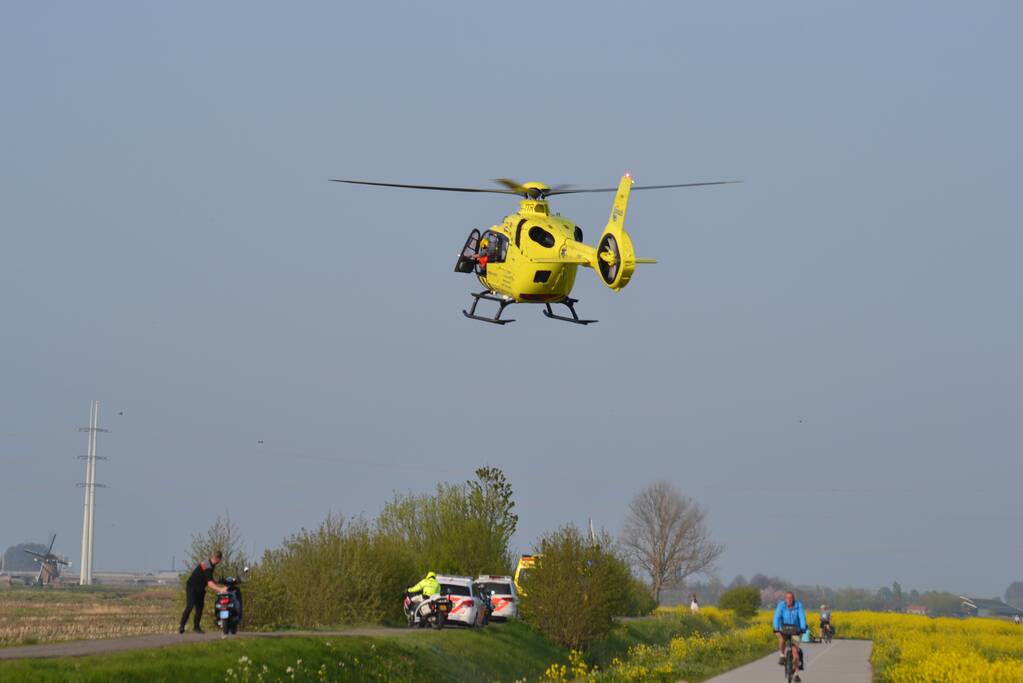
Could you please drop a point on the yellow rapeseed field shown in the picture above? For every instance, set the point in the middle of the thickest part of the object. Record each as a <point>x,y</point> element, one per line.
<point>907,649</point>
<point>718,641</point>
<point>916,649</point>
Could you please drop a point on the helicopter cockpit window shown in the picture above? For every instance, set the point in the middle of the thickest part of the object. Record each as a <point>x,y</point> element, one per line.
<point>494,246</point>
<point>541,236</point>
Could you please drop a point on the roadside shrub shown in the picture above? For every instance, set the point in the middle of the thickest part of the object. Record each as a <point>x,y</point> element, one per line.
<point>637,600</point>
<point>744,600</point>
<point>355,571</point>
<point>341,572</point>
<point>264,595</point>
<point>458,529</point>
<point>575,590</point>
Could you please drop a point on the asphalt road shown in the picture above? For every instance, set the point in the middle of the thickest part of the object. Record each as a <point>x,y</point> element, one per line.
<point>841,661</point>
<point>81,648</point>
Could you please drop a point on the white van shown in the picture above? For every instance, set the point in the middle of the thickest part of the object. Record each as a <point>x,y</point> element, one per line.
<point>504,599</point>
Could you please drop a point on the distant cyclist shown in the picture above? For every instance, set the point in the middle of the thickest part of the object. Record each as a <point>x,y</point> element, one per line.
<point>789,612</point>
<point>825,619</point>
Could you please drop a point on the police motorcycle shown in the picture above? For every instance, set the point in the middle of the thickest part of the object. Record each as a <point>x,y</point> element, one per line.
<point>228,605</point>
<point>432,611</point>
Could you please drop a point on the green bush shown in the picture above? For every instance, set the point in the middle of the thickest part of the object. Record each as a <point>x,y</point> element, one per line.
<point>341,572</point>
<point>639,601</point>
<point>355,571</point>
<point>459,529</point>
<point>576,588</point>
<point>744,600</point>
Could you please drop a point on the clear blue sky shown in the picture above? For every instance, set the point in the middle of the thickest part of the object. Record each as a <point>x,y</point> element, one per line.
<point>830,350</point>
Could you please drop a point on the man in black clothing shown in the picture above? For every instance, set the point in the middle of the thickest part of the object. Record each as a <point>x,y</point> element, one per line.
<point>195,590</point>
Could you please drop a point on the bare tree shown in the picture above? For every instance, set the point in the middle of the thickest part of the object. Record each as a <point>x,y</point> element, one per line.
<point>665,536</point>
<point>223,535</point>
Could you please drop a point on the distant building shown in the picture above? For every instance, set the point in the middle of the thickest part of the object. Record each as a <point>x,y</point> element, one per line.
<point>916,609</point>
<point>989,608</point>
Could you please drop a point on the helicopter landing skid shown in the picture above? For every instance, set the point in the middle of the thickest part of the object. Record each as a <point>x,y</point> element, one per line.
<point>569,303</point>
<point>476,296</point>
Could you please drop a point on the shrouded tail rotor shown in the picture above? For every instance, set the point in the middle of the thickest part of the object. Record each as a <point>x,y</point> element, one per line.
<point>616,259</point>
<point>610,258</point>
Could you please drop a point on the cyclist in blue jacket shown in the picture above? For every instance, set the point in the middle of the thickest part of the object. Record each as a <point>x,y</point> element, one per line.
<point>789,612</point>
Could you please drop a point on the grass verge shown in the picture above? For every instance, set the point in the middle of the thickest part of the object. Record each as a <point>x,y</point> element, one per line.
<point>667,646</point>
<point>506,653</point>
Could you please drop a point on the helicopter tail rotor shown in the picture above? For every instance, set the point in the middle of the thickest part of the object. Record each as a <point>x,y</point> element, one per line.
<point>615,258</point>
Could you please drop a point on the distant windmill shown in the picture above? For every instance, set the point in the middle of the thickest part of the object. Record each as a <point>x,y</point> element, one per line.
<point>49,564</point>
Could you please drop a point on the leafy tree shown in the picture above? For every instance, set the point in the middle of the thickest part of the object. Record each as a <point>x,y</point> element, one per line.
<point>941,604</point>
<point>707,592</point>
<point>637,600</point>
<point>459,529</point>
<point>738,581</point>
<point>744,600</point>
<point>853,599</point>
<point>574,592</point>
<point>490,500</point>
<point>885,599</point>
<point>762,581</point>
<point>1014,594</point>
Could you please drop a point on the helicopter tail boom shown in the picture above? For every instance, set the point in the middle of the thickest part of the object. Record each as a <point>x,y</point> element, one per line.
<point>615,260</point>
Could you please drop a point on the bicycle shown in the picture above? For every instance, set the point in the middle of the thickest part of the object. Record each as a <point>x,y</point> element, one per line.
<point>827,632</point>
<point>791,673</point>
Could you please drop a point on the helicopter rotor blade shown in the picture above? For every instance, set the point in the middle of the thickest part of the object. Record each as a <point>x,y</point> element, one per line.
<point>512,185</point>
<point>423,187</point>
<point>643,187</point>
<point>516,188</point>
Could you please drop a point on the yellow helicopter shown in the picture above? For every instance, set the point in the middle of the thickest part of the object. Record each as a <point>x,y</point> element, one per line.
<point>532,257</point>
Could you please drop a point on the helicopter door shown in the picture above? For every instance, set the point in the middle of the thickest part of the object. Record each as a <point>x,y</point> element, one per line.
<point>467,259</point>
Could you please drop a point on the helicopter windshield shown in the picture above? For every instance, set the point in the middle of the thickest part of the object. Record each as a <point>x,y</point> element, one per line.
<point>494,246</point>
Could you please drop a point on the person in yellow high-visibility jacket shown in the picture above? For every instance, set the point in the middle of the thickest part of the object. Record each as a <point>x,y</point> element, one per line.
<point>428,586</point>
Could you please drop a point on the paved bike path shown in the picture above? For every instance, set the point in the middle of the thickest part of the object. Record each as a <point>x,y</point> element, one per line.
<point>840,661</point>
